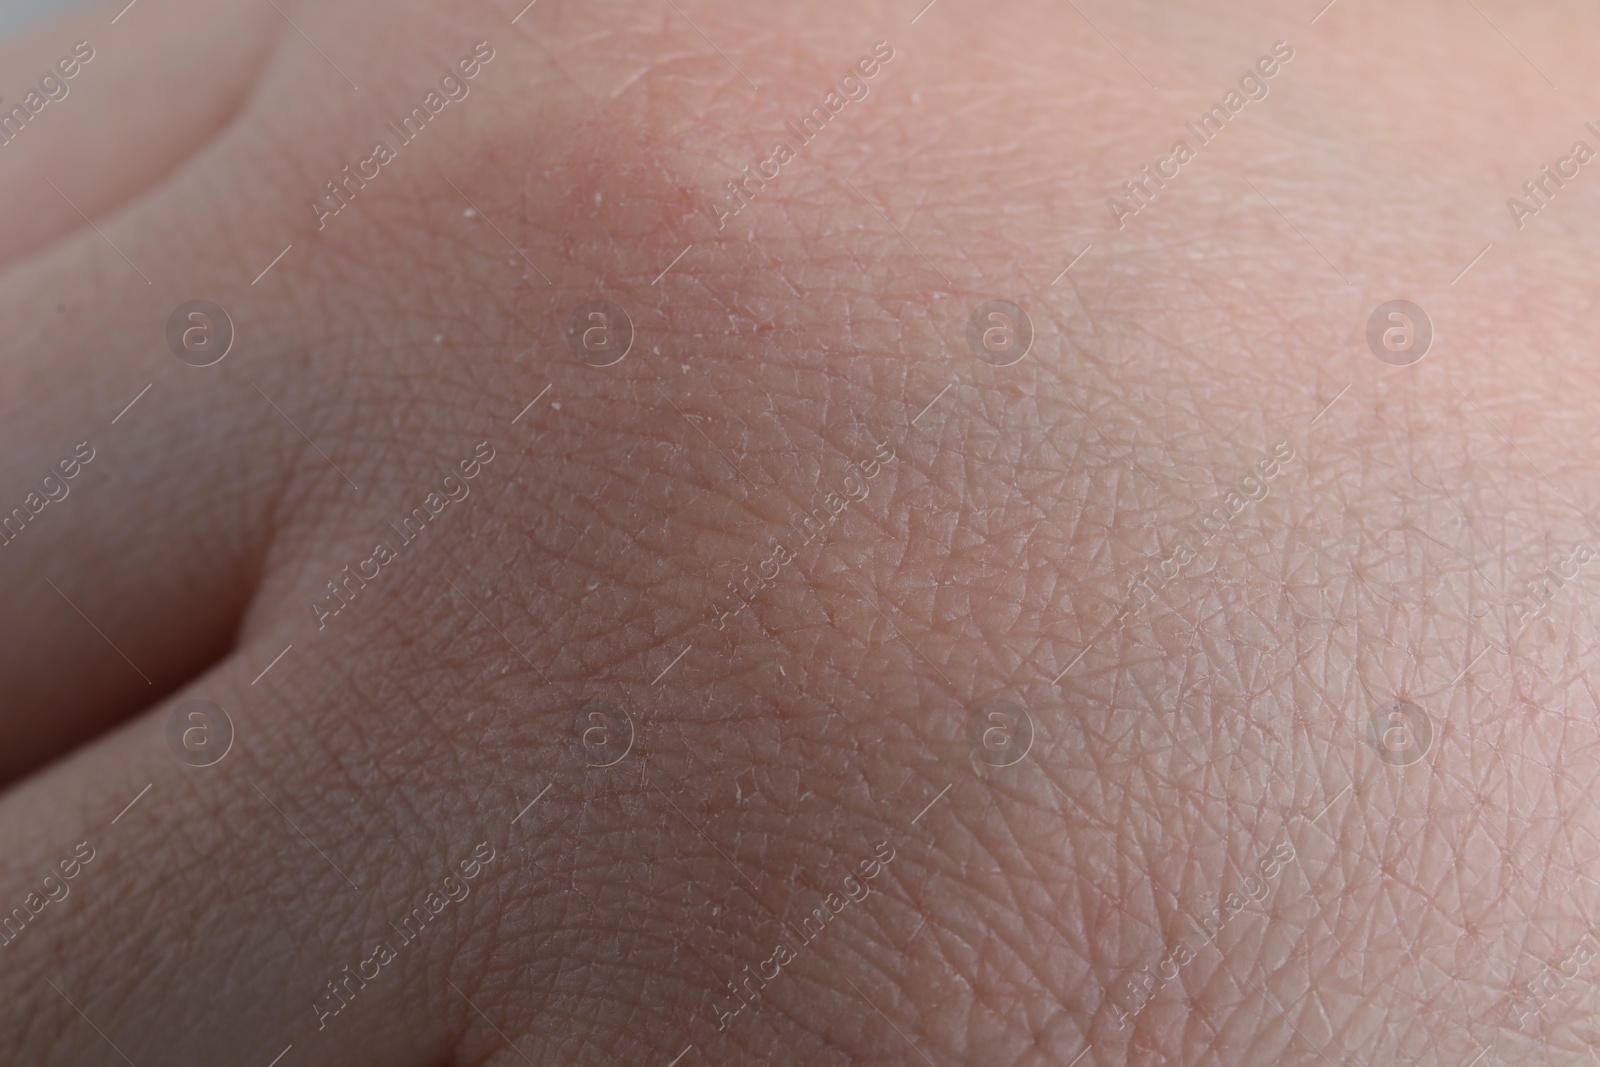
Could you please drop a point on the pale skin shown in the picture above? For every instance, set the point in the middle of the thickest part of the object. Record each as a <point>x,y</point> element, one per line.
<point>1203,857</point>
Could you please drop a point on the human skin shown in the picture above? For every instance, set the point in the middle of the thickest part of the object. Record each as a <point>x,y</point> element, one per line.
<point>1177,741</point>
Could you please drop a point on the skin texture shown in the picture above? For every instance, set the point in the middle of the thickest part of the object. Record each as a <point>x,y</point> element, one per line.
<point>1185,742</point>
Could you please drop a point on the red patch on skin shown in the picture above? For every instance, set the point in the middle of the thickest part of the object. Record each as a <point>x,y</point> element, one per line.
<point>684,203</point>
<point>607,193</point>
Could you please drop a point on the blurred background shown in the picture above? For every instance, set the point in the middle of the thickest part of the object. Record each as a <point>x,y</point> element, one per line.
<point>17,15</point>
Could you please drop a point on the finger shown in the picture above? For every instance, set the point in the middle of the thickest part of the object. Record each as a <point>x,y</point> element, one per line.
<point>350,870</point>
<point>106,613</point>
<point>126,572</point>
<point>135,497</point>
<point>103,109</point>
<point>92,842</point>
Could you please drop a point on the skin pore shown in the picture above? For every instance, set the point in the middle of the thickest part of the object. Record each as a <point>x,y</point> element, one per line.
<point>679,714</point>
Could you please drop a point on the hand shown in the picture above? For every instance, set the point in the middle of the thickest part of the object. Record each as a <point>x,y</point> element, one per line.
<point>794,663</point>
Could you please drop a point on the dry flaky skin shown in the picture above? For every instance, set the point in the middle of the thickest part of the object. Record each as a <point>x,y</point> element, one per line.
<point>1198,747</point>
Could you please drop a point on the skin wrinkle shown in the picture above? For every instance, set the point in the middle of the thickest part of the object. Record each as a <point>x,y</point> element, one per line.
<point>1125,682</point>
<point>157,154</point>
